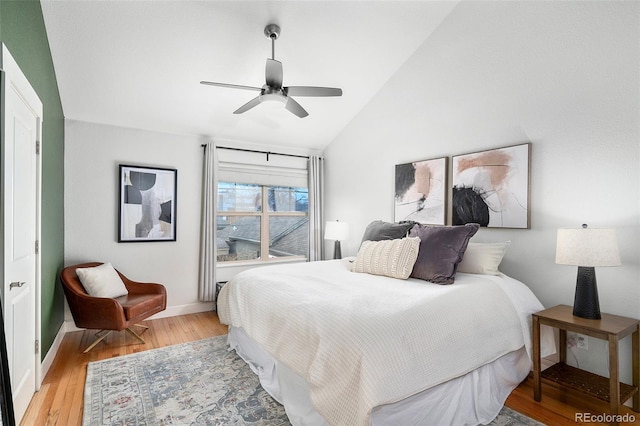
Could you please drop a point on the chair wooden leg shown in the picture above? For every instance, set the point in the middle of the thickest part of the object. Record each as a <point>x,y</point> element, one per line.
<point>135,334</point>
<point>141,325</point>
<point>98,340</point>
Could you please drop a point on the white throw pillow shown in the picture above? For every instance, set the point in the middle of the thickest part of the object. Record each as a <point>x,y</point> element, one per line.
<point>483,258</point>
<point>102,281</point>
<point>392,258</point>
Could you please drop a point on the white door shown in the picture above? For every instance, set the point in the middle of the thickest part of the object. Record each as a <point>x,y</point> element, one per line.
<point>22,112</point>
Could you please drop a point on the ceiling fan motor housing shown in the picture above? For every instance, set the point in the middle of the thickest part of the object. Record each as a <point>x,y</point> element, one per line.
<point>272,31</point>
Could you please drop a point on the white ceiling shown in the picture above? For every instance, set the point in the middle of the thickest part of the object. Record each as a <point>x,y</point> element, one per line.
<point>139,63</point>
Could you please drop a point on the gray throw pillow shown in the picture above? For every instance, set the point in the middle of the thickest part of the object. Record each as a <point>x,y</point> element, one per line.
<point>441,249</point>
<point>379,230</point>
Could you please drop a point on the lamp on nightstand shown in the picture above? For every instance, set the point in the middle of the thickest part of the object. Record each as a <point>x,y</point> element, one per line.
<point>587,248</point>
<point>337,231</point>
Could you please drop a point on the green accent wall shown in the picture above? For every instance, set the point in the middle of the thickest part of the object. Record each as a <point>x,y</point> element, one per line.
<point>23,31</point>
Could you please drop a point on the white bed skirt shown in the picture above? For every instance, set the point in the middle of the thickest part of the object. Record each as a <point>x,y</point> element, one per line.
<point>475,398</point>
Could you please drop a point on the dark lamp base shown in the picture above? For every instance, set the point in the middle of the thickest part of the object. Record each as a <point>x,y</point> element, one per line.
<point>586,304</point>
<point>337,252</point>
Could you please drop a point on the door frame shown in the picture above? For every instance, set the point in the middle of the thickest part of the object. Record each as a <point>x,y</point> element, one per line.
<point>11,72</point>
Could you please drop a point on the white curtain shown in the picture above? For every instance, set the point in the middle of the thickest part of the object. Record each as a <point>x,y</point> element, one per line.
<point>208,248</point>
<point>316,200</point>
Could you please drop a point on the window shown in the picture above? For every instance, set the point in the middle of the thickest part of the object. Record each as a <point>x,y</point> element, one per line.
<point>259,222</point>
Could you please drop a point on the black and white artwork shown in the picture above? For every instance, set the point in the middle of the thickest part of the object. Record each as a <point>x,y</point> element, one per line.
<point>147,204</point>
<point>421,191</point>
<point>492,188</point>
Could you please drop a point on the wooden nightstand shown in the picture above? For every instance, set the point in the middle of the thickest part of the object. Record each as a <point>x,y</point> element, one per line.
<point>611,328</point>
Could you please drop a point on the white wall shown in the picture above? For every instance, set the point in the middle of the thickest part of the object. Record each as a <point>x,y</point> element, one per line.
<point>92,155</point>
<point>561,75</point>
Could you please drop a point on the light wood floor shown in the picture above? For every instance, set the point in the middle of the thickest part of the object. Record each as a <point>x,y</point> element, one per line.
<point>59,401</point>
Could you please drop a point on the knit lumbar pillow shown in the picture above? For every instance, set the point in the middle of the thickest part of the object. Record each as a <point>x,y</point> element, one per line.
<point>391,258</point>
<point>102,281</point>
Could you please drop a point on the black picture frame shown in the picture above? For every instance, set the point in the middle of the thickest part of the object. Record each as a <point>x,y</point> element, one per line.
<point>147,204</point>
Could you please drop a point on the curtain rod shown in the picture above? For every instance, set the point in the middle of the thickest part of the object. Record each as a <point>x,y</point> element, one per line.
<point>268,153</point>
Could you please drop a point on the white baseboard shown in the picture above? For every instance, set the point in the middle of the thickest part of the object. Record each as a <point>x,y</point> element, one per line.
<point>47,362</point>
<point>70,326</point>
<point>191,308</point>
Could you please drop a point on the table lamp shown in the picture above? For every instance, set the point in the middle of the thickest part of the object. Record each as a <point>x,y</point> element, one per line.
<point>336,231</point>
<point>587,248</point>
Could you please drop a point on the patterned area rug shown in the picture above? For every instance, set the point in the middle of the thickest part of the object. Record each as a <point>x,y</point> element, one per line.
<point>196,383</point>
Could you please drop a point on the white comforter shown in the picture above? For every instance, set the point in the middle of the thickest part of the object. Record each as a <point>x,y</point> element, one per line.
<point>362,340</point>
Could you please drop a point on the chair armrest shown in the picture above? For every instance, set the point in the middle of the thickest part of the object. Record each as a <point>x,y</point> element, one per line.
<point>96,312</point>
<point>134,287</point>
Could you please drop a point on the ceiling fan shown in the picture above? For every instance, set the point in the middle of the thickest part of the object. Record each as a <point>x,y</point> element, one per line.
<point>273,90</point>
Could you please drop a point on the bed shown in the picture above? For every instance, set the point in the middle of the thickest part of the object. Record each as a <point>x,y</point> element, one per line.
<point>342,348</point>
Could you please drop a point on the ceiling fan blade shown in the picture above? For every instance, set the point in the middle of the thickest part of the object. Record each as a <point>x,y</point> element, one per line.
<point>312,91</point>
<point>273,73</point>
<point>246,107</point>
<point>295,108</point>
<point>230,86</point>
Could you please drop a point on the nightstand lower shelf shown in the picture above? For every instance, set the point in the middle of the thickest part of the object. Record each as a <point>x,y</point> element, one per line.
<point>586,382</point>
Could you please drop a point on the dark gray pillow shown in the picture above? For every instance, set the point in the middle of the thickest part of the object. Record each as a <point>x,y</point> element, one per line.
<point>441,249</point>
<point>379,230</point>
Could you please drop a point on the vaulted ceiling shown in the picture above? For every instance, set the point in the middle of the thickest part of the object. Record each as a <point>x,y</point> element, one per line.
<point>139,63</point>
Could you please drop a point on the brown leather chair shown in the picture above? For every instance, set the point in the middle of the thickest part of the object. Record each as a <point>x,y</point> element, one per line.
<point>107,315</point>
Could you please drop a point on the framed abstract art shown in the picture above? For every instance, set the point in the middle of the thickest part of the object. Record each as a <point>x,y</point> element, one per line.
<point>492,187</point>
<point>147,204</point>
<point>421,191</point>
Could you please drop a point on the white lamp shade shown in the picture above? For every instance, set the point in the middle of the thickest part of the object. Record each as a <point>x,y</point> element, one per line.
<point>338,231</point>
<point>587,247</point>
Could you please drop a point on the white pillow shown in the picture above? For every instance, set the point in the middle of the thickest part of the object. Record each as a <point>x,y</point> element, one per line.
<point>102,281</point>
<point>392,258</point>
<point>483,258</point>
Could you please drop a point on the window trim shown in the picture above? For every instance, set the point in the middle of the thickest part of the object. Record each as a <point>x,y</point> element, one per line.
<point>265,214</point>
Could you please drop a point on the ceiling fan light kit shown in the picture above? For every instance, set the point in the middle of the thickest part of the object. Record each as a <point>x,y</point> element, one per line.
<point>273,90</point>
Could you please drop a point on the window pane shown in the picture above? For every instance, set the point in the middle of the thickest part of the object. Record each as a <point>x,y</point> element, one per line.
<point>238,197</point>
<point>238,238</point>
<point>286,199</point>
<point>288,236</point>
